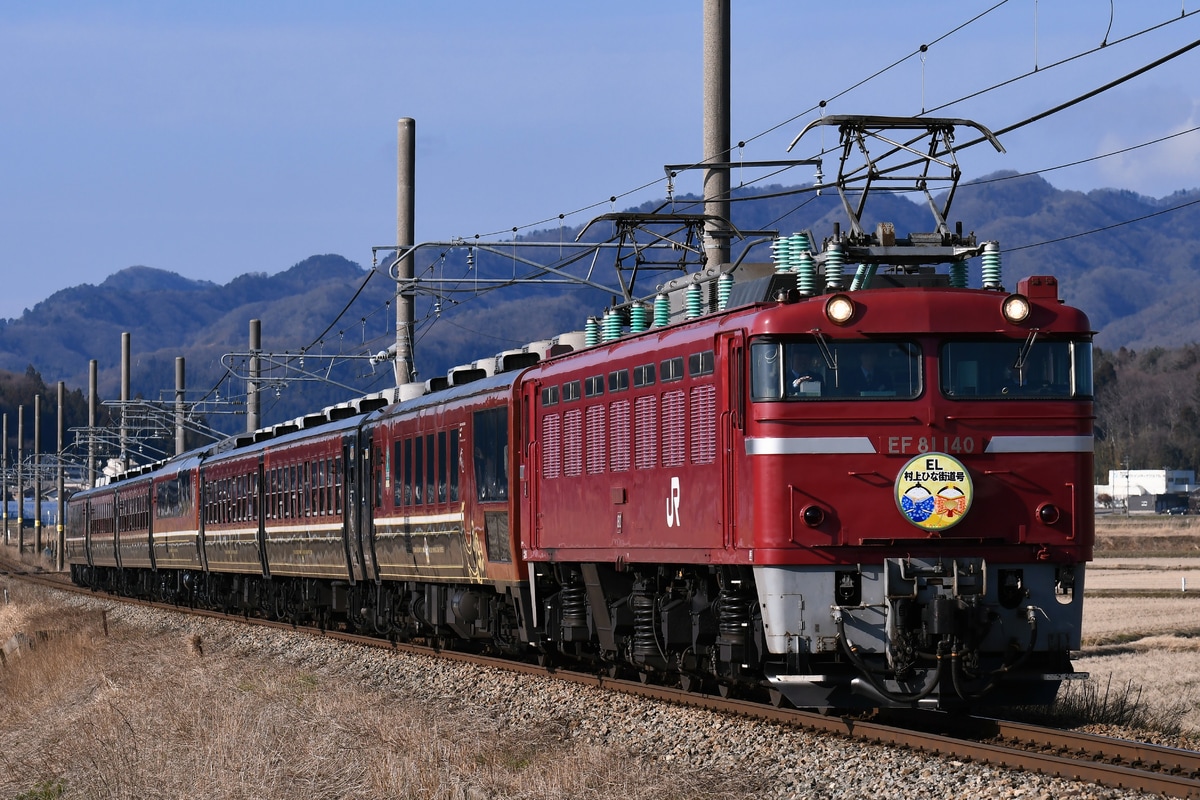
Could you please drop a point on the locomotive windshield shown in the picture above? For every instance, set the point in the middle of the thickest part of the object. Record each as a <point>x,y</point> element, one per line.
<point>1017,369</point>
<point>823,369</point>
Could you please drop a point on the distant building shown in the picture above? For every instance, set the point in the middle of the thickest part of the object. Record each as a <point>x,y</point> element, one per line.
<point>1148,490</point>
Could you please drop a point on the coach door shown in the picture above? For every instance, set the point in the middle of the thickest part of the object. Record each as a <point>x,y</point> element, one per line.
<point>356,509</point>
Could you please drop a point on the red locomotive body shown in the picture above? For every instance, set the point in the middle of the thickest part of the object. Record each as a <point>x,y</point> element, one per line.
<point>622,452</point>
<point>746,463</point>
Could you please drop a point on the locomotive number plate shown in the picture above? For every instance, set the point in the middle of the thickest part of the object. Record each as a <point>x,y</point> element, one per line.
<point>915,445</point>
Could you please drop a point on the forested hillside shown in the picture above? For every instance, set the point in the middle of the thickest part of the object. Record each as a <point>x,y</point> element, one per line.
<point>1147,409</point>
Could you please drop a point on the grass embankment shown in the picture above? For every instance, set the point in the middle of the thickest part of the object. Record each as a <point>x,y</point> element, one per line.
<point>167,714</point>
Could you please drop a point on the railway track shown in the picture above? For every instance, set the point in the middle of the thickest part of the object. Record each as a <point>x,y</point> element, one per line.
<point>1123,764</point>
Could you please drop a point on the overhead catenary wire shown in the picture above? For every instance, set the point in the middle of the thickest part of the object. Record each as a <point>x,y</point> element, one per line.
<point>823,103</point>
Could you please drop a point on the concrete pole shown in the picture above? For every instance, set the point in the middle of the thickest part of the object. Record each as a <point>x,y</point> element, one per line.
<point>37,474</point>
<point>60,560</point>
<point>124,399</point>
<point>92,395</point>
<point>406,200</point>
<point>716,127</point>
<point>4,477</point>
<point>253,399</point>
<point>180,386</point>
<point>20,479</point>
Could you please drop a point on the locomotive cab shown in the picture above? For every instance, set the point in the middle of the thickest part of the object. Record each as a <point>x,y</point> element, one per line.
<point>917,524</point>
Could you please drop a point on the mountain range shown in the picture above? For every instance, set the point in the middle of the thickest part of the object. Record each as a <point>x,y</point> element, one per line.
<point>1128,260</point>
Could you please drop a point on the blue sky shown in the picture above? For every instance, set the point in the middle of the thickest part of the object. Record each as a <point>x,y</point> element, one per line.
<point>217,138</point>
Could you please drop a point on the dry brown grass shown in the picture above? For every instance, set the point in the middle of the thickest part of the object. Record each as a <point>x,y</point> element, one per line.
<point>171,715</point>
<point>1141,632</point>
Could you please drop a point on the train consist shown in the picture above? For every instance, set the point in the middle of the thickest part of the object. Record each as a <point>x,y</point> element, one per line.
<point>845,492</point>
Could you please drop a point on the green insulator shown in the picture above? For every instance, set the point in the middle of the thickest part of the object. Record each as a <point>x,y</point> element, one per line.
<point>781,250</point>
<point>638,318</point>
<point>694,301</point>
<point>806,275</point>
<point>860,276</point>
<point>992,278</point>
<point>724,287</point>
<point>612,325</point>
<point>958,274</point>
<point>662,310</point>
<point>800,247</point>
<point>591,332</point>
<point>834,264</point>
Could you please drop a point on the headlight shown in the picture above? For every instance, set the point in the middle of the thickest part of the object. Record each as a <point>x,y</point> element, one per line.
<point>1016,308</point>
<point>839,309</point>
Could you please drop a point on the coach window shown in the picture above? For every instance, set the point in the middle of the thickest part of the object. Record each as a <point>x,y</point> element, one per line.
<point>490,435</point>
<point>253,501</point>
<point>430,497</point>
<point>330,507</point>
<point>418,470</point>
<point>549,396</point>
<point>618,380</point>
<point>455,465</point>
<point>442,466</point>
<point>408,472</point>
<point>338,481</point>
<point>593,386</point>
<point>323,486</point>
<point>570,391</point>
<point>399,487</point>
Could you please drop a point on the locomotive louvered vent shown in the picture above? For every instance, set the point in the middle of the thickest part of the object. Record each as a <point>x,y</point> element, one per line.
<point>759,290</point>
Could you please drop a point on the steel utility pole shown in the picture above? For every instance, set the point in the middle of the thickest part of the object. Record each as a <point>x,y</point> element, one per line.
<point>60,562</point>
<point>92,395</point>
<point>253,398</point>
<point>37,474</point>
<point>124,400</point>
<point>4,476</point>
<point>406,194</point>
<point>20,480</point>
<point>716,128</point>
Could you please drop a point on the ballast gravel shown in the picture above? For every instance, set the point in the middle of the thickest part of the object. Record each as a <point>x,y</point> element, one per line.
<point>782,762</point>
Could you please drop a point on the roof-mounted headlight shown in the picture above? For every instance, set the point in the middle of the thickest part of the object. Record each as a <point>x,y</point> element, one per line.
<point>1016,308</point>
<point>839,309</point>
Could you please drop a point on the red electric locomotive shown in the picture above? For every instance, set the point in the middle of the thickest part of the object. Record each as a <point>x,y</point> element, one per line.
<point>843,491</point>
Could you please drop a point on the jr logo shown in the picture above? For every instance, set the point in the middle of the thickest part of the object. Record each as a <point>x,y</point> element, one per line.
<point>673,505</point>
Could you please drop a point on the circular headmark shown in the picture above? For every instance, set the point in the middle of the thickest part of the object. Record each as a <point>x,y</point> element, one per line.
<point>933,491</point>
